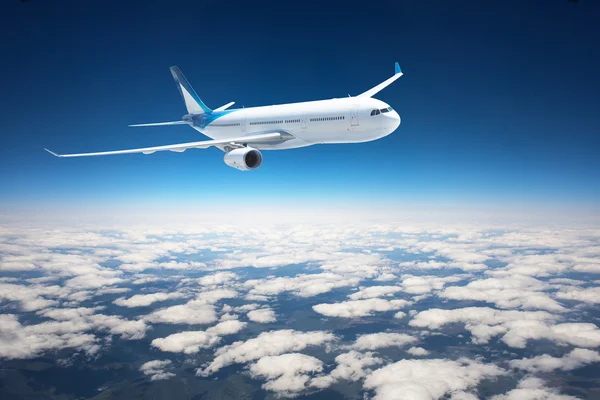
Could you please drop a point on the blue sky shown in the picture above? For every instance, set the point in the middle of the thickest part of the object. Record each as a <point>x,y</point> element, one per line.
<point>499,102</point>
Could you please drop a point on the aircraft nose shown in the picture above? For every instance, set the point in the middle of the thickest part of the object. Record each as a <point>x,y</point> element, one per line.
<point>394,119</point>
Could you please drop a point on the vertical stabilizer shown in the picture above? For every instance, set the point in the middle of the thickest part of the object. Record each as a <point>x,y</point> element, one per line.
<point>192,102</point>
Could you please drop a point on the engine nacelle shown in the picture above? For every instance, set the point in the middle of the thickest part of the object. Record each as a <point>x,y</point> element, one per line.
<point>244,159</point>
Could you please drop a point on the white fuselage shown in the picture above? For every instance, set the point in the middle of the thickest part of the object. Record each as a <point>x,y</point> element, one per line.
<point>345,120</point>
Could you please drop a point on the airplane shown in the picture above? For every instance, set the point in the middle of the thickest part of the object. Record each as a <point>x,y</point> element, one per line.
<point>242,133</point>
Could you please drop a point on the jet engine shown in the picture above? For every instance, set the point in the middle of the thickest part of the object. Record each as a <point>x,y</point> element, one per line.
<point>244,159</point>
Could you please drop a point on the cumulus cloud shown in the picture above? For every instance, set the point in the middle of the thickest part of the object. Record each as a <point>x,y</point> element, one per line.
<point>374,291</point>
<point>417,351</point>
<point>29,341</point>
<point>359,308</point>
<point>508,292</point>
<point>266,344</point>
<point>532,388</point>
<point>428,379</point>
<point>195,312</point>
<point>191,342</point>
<point>375,341</point>
<point>217,279</point>
<point>587,295</point>
<point>517,327</point>
<point>546,363</point>
<point>427,283</point>
<point>156,369</point>
<point>304,285</point>
<point>286,374</point>
<point>351,366</point>
<point>143,300</point>
<point>263,315</point>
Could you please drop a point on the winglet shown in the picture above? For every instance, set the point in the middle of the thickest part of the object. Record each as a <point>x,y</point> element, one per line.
<point>397,70</point>
<point>53,153</point>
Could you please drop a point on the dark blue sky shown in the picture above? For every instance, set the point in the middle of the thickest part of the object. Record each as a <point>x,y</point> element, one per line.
<point>499,101</point>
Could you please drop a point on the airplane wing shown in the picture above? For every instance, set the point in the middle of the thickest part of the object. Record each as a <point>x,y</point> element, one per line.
<point>373,91</point>
<point>266,138</point>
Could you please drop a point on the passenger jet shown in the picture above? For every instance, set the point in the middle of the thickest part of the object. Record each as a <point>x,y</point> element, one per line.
<point>242,133</point>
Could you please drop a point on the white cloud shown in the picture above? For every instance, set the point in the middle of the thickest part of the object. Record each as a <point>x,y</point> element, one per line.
<point>287,374</point>
<point>119,326</point>
<point>195,312</point>
<point>586,295</point>
<point>304,285</point>
<point>217,279</point>
<point>417,351</point>
<point>191,313</point>
<point>532,389</point>
<point>228,327</point>
<point>428,379</point>
<point>266,344</point>
<point>375,341</point>
<point>546,363</point>
<point>263,316</point>
<point>427,283</point>
<point>186,342</point>
<point>359,308</point>
<point>29,341</point>
<point>509,292</point>
<point>143,300</point>
<point>351,366</point>
<point>517,327</point>
<point>374,291</point>
<point>156,369</point>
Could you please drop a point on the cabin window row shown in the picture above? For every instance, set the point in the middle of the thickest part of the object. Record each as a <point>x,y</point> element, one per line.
<point>266,122</point>
<point>326,119</point>
<point>291,121</point>
<point>223,125</point>
<point>382,111</point>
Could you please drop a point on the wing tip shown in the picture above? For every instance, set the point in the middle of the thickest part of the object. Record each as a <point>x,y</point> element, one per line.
<point>397,69</point>
<point>53,153</point>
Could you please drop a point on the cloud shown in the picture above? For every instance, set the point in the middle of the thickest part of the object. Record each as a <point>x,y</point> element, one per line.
<point>304,285</point>
<point>587,295</point>
<point>286,374</point>
<point>195,312</point>
<point>156,369</point>
<point>351,366</point>
<point>266,344</point>
<point>517,327</point>
<point>186,342</point>
<point>374,291</point>
<point>192,341</point>
<point>427,283</point>
<point>546,363</point>
<point>359,308</point>
<point>532,388</point>
<point>417,351</point>
<point>262,316</point>
<point>29,341</point>
<point>508,292</point>
<point>428,379</point>
<point>375,341</point>
<point>143,300</point>
<point>217,279</point>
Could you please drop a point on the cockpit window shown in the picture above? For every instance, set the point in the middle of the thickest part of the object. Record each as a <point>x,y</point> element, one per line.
<point>384,110</point>
<point>375,112</point>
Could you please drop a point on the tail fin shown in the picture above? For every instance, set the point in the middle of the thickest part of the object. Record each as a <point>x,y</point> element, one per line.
<point>192,102</point>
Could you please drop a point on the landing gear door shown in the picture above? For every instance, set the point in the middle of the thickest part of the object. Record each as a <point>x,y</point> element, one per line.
<point>354,115</point>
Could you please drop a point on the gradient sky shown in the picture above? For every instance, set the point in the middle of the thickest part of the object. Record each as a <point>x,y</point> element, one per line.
<point>499,101</point>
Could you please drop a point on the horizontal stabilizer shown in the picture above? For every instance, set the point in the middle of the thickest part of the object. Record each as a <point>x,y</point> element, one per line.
<point>162,123</point>
<point>225,107</point>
